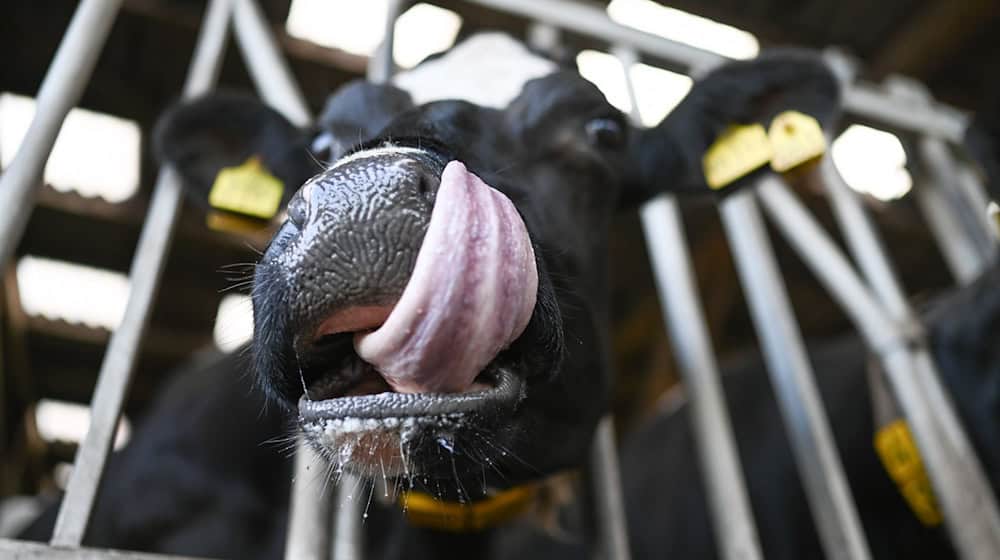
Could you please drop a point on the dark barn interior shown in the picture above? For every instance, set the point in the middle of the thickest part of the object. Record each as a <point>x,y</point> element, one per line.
<point>948,46</point>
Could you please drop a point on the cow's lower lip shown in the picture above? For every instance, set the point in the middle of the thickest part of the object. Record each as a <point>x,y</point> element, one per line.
<point>503,391</point>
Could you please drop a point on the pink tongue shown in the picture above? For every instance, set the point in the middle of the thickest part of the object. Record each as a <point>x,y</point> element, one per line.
<point>471,294</point>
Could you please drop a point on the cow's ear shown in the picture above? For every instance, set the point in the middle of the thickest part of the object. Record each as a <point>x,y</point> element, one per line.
<point>668,157</point>
<point>205,136</point>
<point>356,113</point>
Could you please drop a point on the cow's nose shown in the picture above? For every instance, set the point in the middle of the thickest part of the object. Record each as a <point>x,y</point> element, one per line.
<point>406,179</point>
<point>360,227</point>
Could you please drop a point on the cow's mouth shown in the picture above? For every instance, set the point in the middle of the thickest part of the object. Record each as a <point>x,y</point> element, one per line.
<point>381,375</point>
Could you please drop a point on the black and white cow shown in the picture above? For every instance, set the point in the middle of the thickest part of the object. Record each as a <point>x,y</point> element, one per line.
<point>433,311</point>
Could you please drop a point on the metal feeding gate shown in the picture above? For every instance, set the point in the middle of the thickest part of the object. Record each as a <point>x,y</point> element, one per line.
<point>872,297</point>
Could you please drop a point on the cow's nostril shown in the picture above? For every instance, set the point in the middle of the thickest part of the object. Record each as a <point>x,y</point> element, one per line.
<point>427,184</point>
<point>297,211</point>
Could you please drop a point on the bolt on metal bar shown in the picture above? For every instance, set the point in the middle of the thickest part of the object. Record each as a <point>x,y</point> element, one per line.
<point>679,300</point>
<point>267,67</point>
<point>61,89</point>
<point>147,266</point>
<point>308,516</point>
<point>784,352</point>
<point>961,486</point>
<point>609,506</point>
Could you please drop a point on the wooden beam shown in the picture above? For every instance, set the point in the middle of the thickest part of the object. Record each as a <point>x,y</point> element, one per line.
<point>933,37</point>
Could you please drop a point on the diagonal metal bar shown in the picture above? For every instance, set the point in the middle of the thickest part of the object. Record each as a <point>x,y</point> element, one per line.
<point>64,83</point>
<point>971,511</point>
<point>147,266</point>
<point>267,67</point>
<point>784,351</point>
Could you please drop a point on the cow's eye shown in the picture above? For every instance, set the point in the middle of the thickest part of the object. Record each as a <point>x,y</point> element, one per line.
<point>605,133</point>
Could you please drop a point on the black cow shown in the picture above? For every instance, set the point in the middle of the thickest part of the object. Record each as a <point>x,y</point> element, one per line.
<point>477,237</point>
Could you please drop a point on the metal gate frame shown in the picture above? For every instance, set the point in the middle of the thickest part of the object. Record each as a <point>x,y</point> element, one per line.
<point>873,298</point>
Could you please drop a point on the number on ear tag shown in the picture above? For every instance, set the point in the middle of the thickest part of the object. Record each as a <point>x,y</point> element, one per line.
<point>902,461</point>
<point>796,138</point>
<point>739,150</point>
<point>247,189</point>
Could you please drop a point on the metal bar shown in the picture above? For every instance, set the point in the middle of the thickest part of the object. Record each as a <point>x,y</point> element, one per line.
<point>309,517</point>
<point>348,521</point>
<point>23,550</point>
<point>382,65</point>
<point>609,506</point>
<point>64,83</point>
<point>717,451</point>
<point>975,192</point>
<point>267,67</point>
<point>863,100</point>
<point>805,420</point>
<point>958,256</point>
<point>872,103</point>
<point>593,21</point>
<point>961,486</point>
<point>944,171</point>
<point>147,266</point>
<point>679,300</point>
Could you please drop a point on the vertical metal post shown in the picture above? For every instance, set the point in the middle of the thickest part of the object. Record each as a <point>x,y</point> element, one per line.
<point>609,506</point>
<point>276,85</point>
<point>382,65</point>
<point>147,266</point>
<point>959,256</point>
<point>805,420</point>
<point>309,516</point>
<point>64,83</point>
<point>961,486</point>
<point>348,521</point>
<point>945,176</point>
<point>719,457</point>
<point>679,300</point>
<point>975,192</point>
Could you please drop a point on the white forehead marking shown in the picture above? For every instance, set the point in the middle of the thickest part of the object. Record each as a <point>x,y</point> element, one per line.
<point>383,150</point>
<point>488,69</point>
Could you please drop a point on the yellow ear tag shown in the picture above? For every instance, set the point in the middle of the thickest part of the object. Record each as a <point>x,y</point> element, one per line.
<point>796,138</point>
<point>247,189</point>
<point>901,460</point>
<point>993,210</point>
<point>739,150</point>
